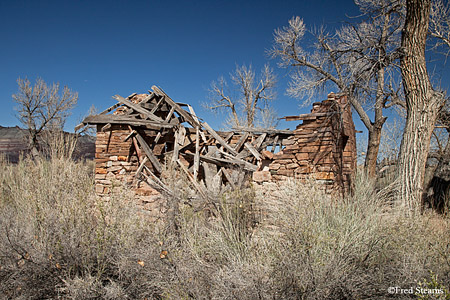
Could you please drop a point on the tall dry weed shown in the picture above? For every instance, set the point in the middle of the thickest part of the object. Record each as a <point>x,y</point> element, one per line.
<point>278,241</point>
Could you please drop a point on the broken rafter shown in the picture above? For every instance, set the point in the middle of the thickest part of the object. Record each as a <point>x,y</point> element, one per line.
<point>219,139</point>
<point>186,116</point>
<point>113,119</point>
<point>138,108</point>
<point>148,151</point>
<point>241,142</point>
<point>261,130</point>
<point>253,151</point>
<point>192,179</point>
<point>197,153</point>
<point>226,162</point>
<point>179,141</point>
<point>312,116</point>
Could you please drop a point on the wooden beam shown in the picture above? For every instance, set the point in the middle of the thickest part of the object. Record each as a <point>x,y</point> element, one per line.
<point>111,108</point>
<point>219,139</point>
<point>154,182</point>
<point>197,153</point>
<point>241,142</point>
<point>228,177</point>
<point>179,141</point>
<point>259,141</point>
<point>155,108</point>
<point>106,127</point>
<point>261,130</point>
<point>274,143</point>
<point>138,108</point>
<point>141,166</point>
<point>105,119</point>
<point>194,116</point>
<point>253,150</point>
<point>312,116</point>
<point>135,144</point>
<point>192,179</point>
<point>154,160</point>
<point>226,162</point>
<point>132,133</point>
<point>187,117</point>
<point>238,160</point>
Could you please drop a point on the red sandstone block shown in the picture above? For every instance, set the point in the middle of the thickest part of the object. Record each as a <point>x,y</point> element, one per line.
<point>289,173</point>
<point>291,166</point>
<point>262,176</point>
<point>267,154</point>
<point>281,155</point>
<point>274,166</point>
<point>100,171</point>
<point>301,156</point>
<point>302,170</point>
<point>324,175</point>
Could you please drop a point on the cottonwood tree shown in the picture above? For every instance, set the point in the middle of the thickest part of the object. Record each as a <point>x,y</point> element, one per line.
<point>423,104</point>
<point>251,100</point>
<point>42,107</point>
<point>357,60</point>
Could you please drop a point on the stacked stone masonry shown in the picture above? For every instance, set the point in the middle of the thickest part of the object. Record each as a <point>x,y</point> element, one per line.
<point>321,147</point>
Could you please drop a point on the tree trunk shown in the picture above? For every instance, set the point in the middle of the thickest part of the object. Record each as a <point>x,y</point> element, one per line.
<point>373,146</point>
<point>422,106</point>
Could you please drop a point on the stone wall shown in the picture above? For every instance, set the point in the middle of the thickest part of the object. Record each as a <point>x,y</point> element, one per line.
<point>322,147</point>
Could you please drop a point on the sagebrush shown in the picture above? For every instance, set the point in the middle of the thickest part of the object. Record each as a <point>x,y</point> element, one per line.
<point>58,240</point>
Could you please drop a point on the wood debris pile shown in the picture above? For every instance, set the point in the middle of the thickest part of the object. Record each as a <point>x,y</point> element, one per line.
<point>137,136</point>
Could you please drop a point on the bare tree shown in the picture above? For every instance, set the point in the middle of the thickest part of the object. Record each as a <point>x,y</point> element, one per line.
<point>42,107</point>
<point>252,97</point>
<point>439,26</point>
<point>423,104</point>
<point>357,60</point>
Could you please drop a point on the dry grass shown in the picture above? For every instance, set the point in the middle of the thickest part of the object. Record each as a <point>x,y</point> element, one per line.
<point>59,241</point>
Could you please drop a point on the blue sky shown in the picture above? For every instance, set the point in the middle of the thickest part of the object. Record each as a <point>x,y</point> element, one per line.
<point>103,48</point>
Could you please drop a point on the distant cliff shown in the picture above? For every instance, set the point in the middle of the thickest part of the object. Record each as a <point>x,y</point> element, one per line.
<point>13,143</point>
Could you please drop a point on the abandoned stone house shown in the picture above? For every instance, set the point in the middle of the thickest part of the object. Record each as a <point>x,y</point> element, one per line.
<point>142,133</point>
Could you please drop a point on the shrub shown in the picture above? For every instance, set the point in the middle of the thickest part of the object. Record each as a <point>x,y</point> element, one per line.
<point>276,241</point>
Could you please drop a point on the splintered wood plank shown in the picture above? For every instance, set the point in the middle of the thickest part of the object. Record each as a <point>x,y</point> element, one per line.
<point>148,98</point>
<point>191,178</point>
<point>154,182</point>
<point>259,141</point>
<point>219,139</point>
<point>179,141</point>
<point>194,116</point>
<point>154,160</point>
<point>253,150</point>
<point>187,117</point>
<point>135,144</point>
<point>228,177</point>
<point>227,162</point>
<point>138,108</point>
<point>207,169</point>
<point>132,133</point>
<point>197,153</point>
<point>106,127</point>
<point>158,136</point>
<point>261,131</point>
<point>111,108</point>
<point>141,167</point>
<point>312,116</point>
<point>275,141</point>
<point>238,160</point>
<point>241,142</point>
<point>155,108</point>
<point>127,120</point>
